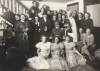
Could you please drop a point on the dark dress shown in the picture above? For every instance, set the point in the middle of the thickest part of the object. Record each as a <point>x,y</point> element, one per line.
<point>44,24</point>
<point>36,33</point>
<point>81,23</point>
<point>16,42</point>
<point>53,24</point>
<point>88,23</point>
<point>63,22</point>
<point>31,32</point>
<point>22,39</point>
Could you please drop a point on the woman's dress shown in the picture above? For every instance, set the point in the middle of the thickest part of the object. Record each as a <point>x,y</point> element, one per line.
<point>57,62</point>
<point>21,37</point>
<point>72,57</point>
<point>39,62</point>
<point>74,33</point>
<point>75,61</point>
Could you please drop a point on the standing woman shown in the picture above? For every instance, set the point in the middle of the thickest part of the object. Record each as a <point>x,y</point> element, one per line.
<point>88,23</point>
<point>21,29</point>
<point>31,32</point>
<point>73,26</point>
<point>36,30</point>
<point>63,21</point>
<point>53,21</point>
<point>80,20</point>
<point>17,19</point>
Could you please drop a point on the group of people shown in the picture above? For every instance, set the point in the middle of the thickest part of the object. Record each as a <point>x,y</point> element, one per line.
<point>59,38</point>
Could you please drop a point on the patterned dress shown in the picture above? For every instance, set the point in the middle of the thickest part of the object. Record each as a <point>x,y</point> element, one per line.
<point>72,56</point>
<point>57,62</point>
<point>39,62</point>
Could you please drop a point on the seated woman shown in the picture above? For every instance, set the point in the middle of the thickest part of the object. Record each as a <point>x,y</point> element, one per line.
<point>88,43</point>
<point>56,31</point>
<point>57,62</point>
<point>43,49</point>
<point>73,57</point>
<point>81,37</point>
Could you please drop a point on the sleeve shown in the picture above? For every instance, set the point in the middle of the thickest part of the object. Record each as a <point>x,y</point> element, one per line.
<point>41,24</point>
<point>38,45</point>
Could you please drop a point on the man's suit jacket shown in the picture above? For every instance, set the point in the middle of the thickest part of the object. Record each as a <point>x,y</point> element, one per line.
<point>44,24</point>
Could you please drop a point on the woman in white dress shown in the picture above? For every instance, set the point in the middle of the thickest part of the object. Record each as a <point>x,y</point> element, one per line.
<point>43,49</point>
<point>73,57</point>
<point>74,33</point>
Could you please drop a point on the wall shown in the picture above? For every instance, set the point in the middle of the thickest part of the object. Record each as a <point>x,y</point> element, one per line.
<point>57,6</point>
<point>81,4</point>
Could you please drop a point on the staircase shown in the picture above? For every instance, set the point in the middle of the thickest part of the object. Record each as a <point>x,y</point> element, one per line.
<point>9,8</point>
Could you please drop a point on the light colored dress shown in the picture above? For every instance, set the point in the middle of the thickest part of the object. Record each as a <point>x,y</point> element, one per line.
<point>39,62</point>
<point>73,57</point>
<point>57,62</point>
<point>88,42</point>
<point>74,33</point>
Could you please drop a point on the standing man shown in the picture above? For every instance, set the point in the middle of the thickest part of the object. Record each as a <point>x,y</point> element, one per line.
<point>45,25</point>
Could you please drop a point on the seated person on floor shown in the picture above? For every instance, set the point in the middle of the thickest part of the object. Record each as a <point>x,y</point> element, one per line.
<point>57,62</point>
<point>73,57</point>
<point>43,49</point>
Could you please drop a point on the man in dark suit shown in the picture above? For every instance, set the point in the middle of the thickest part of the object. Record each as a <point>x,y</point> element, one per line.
<point>45,26</point>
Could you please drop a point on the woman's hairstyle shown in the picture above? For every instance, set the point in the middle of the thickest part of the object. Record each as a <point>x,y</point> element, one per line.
<point>88,14</point>
<point>43,36</point>
<point>64,15</point>
<point>89,29</point>
<point>68,37</point>
<point>56,37</point>
<point>60,10</point>
<point>57,21</point>
<point>81,14</point>
<point>22,15</point>
<point>17,15</point>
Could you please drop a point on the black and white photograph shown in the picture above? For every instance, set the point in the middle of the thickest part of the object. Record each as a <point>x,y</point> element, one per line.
<point>49,35</point>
